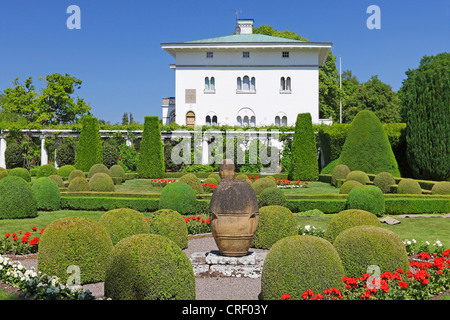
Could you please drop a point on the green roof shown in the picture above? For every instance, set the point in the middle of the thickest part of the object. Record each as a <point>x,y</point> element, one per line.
<point>240,38</point>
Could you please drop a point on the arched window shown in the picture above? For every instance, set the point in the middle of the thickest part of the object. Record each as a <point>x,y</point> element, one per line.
<point>288,84</point>
<point>246,86</point>
<point>284,121</point>
<point>239,120</point>
<point>214,120</point>
<point>206,84</point>
<point>282,84</point>
<point>239,84</point>
<point>277,121</point>
<point>245,123</point>
<point>253,121</point>
<point>212,84</point>
<point>208,121</point>
<point>253,85</point>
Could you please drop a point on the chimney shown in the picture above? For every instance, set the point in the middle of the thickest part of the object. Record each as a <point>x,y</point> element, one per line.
<point>244,26</point>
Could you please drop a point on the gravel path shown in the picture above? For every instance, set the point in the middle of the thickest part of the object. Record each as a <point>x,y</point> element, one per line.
<point>213,288</point>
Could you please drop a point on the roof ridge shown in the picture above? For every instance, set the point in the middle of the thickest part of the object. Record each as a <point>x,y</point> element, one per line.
<point>254,37</point>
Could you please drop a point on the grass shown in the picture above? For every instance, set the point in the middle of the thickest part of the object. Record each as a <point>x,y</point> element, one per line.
<point>7,296</point>
<point>314,187</point>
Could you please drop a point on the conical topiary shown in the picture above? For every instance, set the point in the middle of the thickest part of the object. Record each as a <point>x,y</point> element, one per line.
<point>89,150</point>
<point>367,147</point>
<point>151,156</point>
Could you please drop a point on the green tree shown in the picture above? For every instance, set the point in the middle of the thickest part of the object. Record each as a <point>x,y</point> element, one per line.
<point>270,31</point>
<point>21,100</point>
<point>151,157</point>
<point>426,100</point>
<point>125,119</point>
<point>89,150</point>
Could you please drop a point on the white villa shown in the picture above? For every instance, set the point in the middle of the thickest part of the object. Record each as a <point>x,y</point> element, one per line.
<point>244,79</point>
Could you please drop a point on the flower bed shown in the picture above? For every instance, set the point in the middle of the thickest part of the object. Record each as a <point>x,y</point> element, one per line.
<point>284,183</point>
<point>161,182</point>
<point>197,225</point>
<point>21,243</point>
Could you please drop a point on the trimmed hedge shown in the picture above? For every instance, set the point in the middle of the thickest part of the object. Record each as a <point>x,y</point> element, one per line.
<point>359,176</point>
<point>170,224</point>
<point>46,191</point>
<point>20,172</point>
<point>89,149</point>
<point>101,182</point>
<point>123,222</point>
<point>369,198</point>
<point>178,196</point>
<point>76,173</point>
<point>59,181</point>
<point>272,197</point>
<point>109,203</point>
<point>193,182</point>
<point>16,198</point>
<point>263,183</point>
<point>79,184</point>
<point>324,205</point>
<point>409,186</point>
<point>151,155</point>
<point>117,171</point>
<point>98,168</point>
<point>46,170</point>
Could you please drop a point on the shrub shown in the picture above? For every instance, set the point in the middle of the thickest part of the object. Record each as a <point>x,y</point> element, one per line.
<point>65,154</point>
<point>76,173</point>
<point>59,181</point>
<point>369,198</point>
<point>442,187</point>
<point>384,181</point>
<point>362,246</point>
<point>340,171</point>
<point>349,185</point>
<point>263,183</point>
<point>178,196</point>
<point>89,150</point>
<point>275,223</point>
<point>98,168</point>
<point>74,241</point>
<point>78,184</point>
<point>272,197</point>
<point>347,219</point>
<point>149,267</point>
<point>210,180</point>
<point>111,154</point>
<point>117,171</point>
<point>3,172</point>
<point>359,176</point>
<point>310,213</point>
<point>192,180</point>
<point>46,170</point>
<point>65,171</point>
<point>304,150</point>
<point>16,198</point>
<point>170,224</point>
<point>328,169</point>
<point>299,263</point>
<point>47,194</point>
<point>215,176</point>
<point>245,177</point>
<point>14,156</point>
<point>367,147</point>
<point>101,182</point>
<point>409,186</point>
<point>151,158</point>
<point>20,172</point>
<point>123,222</point>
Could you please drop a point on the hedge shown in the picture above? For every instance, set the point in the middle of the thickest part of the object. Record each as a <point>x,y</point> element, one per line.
<point>151,155</point>
<point>89,149</point>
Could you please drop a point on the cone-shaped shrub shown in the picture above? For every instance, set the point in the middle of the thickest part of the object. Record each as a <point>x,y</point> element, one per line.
<point>367,147</point>
<point>304,150</point>
<point>89,149</point>
<point>151,157</point>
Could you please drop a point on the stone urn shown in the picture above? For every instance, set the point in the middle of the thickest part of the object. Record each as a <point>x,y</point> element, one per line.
<point>234,213</point>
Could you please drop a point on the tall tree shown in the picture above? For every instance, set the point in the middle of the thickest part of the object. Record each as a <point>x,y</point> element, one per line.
<point>21,100</point>
<point>151,153</point>
<point>89,150</point>
<point>125,119</point>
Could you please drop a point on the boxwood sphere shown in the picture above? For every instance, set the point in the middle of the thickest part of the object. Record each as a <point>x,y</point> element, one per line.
<point>3,172</point>
<point>409,186</point>
<point>272,197</point>
<point>349,185</point>
<point>171,224</point>
<point>178,196</point>
<point>211,180</point>
<point>384,181</point>
<point>275,223</point>
<point>442,187</point>
<point>369,198</point>
<point>46,170</point>
<point>263,183</point>
<point>149,267</point>
<point>65,171</point>
<point>78,184</point>
<point>339,172</point>
<point>216,176</point>
<point>98,168</point>
<point>46,191</point>
<point>101,182</point>
<point>59,181</point>
<point>117,171</point>
<point>20,172</point>
<point>299,263</point>
<point>192,180</point>
<point>16,199</point>
<point>75,241</point>
<point>362,246</point>
<point>122,223</point>
<point>348,219</point>
<point>359,176</point>
<point>76,173</point>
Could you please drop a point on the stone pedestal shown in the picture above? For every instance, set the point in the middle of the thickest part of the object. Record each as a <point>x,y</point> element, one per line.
<point>213,264</point>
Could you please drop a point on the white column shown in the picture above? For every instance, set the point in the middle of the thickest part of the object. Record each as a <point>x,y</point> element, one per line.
<point>205,153</point>
<point>44,155</point>
<point>2,152</point>
<point>128,142</point>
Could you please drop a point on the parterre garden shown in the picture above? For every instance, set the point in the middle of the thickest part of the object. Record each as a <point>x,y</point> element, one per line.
<point>128,230</point>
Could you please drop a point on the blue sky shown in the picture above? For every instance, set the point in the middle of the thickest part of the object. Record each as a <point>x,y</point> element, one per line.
<point>117,52</point>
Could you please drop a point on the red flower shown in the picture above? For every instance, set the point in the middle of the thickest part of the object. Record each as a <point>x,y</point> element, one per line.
<point>285,296</point>
<point>423,255</point>
<point>403,284</point>
<point>34,229</point>
<point>42,231</point>
<point>317,297</point>
<point>14,235</point>
<point>24,239</point>
<point>203,221</point>
<point>27,234</point>
<point>307,293</point>
<point>7,235</point>
<point>34,241</point>
<point>208,220</point>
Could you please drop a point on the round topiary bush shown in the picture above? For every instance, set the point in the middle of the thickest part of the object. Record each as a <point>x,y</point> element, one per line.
<point>339,172</point>
<point>78,184</point>
<point>384,181</point>
<point>347,219</point>
<point>98,168</point>
<point>178,196</point>
<point>149,267</point>
<point>16,198</point>
<point>14,156</point>
<point>409,186</point>
<point>369,198</point>
<point>192,180</point>
<point>76,173</point>
<point>299,263</point>
<point>74,241</point>
<point>171,224</point>
<point>272,197</point>
<point>211,180</point>
<point>245,177</point>
<point>65,171</point>
<point>46,170</point>
<point>359,176</point>
<point>442,187</point>
<point>46,191</point>
<point>117,171</point>
<point>20,172</point>
<point>275,223</point>
<point>101,182</point>
<point>349,185</point>
<point>263,183</point>
<point>122,223</point>
<point>215,176</point>
<point>59,181</point>
<point>3,173</point>
<point>362,246</point>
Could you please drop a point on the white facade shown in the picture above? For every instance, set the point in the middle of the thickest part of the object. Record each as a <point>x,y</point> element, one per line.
<point>245,79</point>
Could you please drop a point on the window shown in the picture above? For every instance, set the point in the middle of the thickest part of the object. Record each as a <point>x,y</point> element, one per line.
<point>239,84</point>
<point>245,123</point>
<point>285,85</point>
<point>239,120</point>
<point>208,121</point>
<point>285,54</point>
<point>209,55</point>
<point>206,84</point>
<point>245,54</point>
<point>277,121</point>
<point>253,121</point>
<point>210,85</point>
<point>214,120</point>
<point>284,121</point>
<point>190,119</point>
<point>246,85</point>
<point>252,84</point>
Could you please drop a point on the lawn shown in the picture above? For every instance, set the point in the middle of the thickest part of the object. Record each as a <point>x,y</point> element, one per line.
<point>7,296</point>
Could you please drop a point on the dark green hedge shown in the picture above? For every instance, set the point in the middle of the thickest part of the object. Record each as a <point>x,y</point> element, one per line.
<point>89,149</point>
<point>151,155</point>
